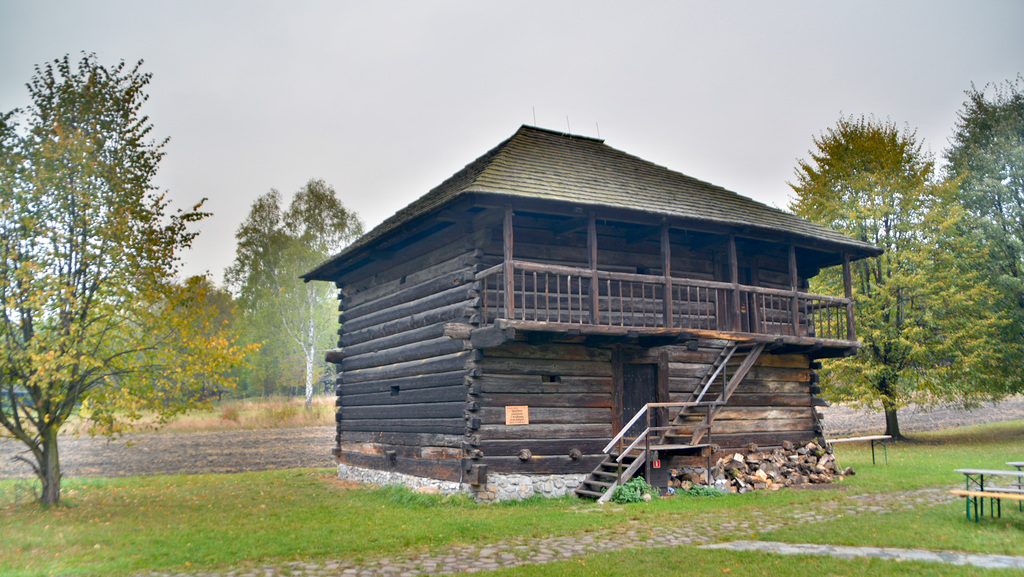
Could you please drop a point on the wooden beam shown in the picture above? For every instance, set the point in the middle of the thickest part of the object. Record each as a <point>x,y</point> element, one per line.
<point>851,329</point>
<point>663,393</point>
<point>734,278</point>
<point>592,251</point>
<point>666,270</point>
<point>571,227</point>
<point>509,271</point>
<point>794,285</point>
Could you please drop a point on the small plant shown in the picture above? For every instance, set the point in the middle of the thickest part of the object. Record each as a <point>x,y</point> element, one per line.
<point>633,491</point>
<point>701,491</point>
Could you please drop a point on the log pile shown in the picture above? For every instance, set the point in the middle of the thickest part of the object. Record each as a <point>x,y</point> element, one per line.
<point>786,466</point>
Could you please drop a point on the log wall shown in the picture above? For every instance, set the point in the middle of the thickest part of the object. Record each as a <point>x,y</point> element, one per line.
<point>635,249</point>
<point>404,357</point>
<point>568,388</point>
<point>774,403</point>
<point>414,396</point>
<point>570,391</point>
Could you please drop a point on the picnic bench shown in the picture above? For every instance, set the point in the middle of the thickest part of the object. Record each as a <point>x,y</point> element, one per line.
<point>1019,465</point>
<point>874,439</point>
<point>976,491</point>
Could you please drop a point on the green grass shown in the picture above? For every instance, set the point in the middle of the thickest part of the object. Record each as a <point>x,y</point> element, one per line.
<point>943,527</point>
<point>929,459</point>
<point>210,522</point>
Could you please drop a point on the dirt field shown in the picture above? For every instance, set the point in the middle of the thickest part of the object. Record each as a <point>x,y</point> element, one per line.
<point>167,453</point>
<point>236,451</point>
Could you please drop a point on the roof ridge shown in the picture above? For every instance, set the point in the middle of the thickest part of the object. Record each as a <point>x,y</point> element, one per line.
<point>526,127</point>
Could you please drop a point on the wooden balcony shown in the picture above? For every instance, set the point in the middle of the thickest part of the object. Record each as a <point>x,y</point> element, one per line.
<point>534,296</point>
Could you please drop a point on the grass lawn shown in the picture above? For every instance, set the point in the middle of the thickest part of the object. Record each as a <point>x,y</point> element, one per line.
<point>208,522</point>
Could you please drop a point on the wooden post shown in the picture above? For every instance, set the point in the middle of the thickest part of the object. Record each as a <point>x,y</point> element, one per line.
<point>666,269</point>
<point>794,285</point>
<point>664,392</point>
<point>509,270</point>
<point>851,329</point>
<point>734,278</point>
<point>592,250</point>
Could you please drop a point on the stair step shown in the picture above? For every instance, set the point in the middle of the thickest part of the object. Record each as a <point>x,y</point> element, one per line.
<point>599,483</point>
<point>594,494</point>
<point>678,447</point>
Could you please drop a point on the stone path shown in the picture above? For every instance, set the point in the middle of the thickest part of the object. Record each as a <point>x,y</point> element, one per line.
<point>891,553</point>
<point>701,529</point>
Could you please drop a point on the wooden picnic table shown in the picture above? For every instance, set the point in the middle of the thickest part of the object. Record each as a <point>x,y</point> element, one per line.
<point>976,478</point>
<point>875,439</point>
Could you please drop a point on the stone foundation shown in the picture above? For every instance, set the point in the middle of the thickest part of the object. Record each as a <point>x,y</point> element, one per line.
<point>499,487</point>
<point>518,487</point>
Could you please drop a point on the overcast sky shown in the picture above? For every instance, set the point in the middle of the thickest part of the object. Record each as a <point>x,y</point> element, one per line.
<point>384,100</point>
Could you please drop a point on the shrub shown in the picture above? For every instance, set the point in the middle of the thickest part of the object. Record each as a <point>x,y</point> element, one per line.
<point>633,491</point>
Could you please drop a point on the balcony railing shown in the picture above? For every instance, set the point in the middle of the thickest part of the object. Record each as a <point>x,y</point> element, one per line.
<point>569,295</point>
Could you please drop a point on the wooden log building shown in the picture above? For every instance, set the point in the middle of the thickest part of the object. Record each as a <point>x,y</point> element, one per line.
<point>512,320</point>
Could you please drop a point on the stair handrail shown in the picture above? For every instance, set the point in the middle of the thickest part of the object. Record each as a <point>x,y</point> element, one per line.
<point>714,376</point>
<point>643,410</point>
<point>622,432</point>
<point>632,445</point>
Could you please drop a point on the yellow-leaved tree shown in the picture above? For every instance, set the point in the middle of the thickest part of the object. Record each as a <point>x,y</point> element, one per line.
<point>93,316</point>
<point>928,321</point>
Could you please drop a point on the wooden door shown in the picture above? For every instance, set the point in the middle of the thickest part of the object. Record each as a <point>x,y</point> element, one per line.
<point>639,387</point>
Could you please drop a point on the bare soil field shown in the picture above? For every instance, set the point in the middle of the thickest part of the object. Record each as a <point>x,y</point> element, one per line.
<point>285,448</point>
<point>189,453</point>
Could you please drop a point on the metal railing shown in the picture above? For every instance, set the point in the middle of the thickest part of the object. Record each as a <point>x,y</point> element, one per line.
<point>560,294</point>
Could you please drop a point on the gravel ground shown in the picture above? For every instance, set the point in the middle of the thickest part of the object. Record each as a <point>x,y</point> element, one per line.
<point>236,451</point>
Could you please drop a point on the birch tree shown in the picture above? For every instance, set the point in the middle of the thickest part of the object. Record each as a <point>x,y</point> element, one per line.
<point>275,246</point>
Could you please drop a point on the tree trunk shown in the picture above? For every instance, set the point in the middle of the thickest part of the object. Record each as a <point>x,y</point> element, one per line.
<point>49,468</point>
<point>892,423</point>
<point>310,351</point>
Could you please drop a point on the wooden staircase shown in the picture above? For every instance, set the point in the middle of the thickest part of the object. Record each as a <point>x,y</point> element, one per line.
<point>605,477</point>
<point>737,357</point>
<point>620,465</point>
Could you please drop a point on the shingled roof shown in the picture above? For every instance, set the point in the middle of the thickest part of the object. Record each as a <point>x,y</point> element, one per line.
<point>541,164</point>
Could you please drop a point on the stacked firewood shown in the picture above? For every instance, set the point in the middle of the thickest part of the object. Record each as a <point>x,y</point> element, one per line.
<point>785,466</point>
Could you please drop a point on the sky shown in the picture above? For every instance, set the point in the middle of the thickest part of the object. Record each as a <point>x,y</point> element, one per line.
<point>384,100</point>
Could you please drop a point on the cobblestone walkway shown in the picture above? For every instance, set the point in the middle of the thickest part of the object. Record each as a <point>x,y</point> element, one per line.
<point>521,551</point>
<point>891,553</point>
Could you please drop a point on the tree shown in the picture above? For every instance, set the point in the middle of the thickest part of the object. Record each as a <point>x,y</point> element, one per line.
<point>274,248</point>
<point>924,315</point>
<point>986,160</point>
<point>92,317</point>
